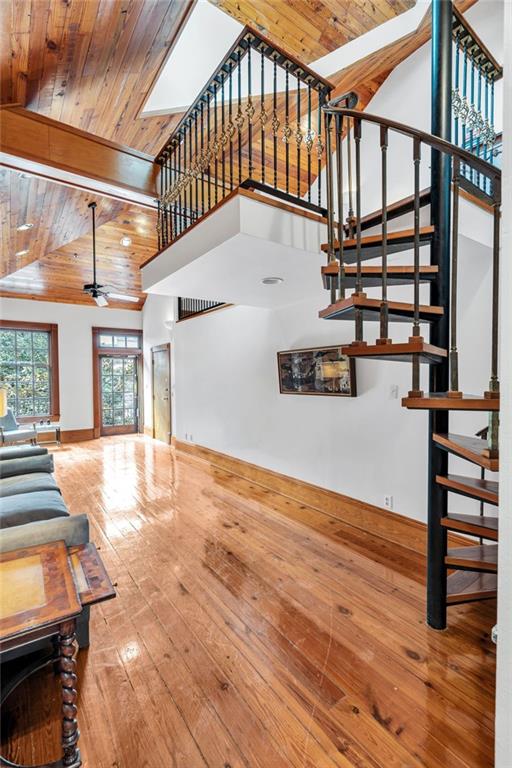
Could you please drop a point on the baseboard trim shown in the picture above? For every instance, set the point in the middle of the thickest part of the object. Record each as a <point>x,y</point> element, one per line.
<point>68,435</point>
<point>401,530</point>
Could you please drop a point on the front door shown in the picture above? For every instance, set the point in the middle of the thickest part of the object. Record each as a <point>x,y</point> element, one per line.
<point>119,395</point>
<point>161,399</point>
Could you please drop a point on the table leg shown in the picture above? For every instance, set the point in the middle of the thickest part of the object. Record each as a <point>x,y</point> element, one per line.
<point>57,435</point>
<point>67,666</point>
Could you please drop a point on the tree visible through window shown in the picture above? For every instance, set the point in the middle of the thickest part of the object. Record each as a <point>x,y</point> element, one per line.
<point>25,370</point>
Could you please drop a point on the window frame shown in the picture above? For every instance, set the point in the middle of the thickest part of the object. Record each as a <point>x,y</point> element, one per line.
<point>53,330</point>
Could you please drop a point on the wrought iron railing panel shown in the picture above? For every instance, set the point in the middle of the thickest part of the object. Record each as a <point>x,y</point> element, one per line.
<point>475,73</point>
<point>257,123</point>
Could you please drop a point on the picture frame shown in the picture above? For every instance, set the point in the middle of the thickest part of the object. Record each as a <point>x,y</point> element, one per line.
<point>320,371</point>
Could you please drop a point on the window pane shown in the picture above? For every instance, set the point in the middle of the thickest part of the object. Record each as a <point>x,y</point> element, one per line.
<point>129,416</point>
<point>7,354</point>
<point>41,380</point>
<point>117,365</point>
<point>105,340</point>
<point>107,417</point>
<point>25,406</point>
<point>128,400</point>
<point>24,346</point>
<point>119,417</point>
<point>132,342</point>
<point>118,399</point>
<point>41,348</point>
<point>41,406</point>
<point>129,367</point>
<point>119,341</point>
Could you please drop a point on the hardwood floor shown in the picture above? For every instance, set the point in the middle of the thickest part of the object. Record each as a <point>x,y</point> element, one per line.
<point>247,633</point>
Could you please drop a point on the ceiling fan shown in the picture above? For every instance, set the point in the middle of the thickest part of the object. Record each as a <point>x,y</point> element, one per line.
<point>101,293</point>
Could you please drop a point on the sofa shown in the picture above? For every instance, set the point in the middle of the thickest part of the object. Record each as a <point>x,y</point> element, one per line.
<point>33,511</point>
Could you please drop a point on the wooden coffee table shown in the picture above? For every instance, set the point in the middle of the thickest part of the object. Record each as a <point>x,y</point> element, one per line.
<point>43,591</point>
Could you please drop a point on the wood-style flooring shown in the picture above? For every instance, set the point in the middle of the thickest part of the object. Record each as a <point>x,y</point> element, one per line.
<point>243,638</point>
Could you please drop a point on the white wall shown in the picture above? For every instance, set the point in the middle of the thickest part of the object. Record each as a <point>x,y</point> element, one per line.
<point>75,348</point>
<point>504,665</point>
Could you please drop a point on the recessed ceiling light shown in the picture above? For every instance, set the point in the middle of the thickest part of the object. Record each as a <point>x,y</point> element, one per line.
<point>272,280</point>
<point>24,227</point>
<point>21,253</point>
<point>126,241</point>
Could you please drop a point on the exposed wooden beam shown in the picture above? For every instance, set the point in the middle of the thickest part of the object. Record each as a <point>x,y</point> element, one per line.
<point>46,148</point>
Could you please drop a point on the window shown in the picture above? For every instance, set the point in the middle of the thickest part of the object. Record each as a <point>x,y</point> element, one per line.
<point>29,369</point>
<point>119,341</point>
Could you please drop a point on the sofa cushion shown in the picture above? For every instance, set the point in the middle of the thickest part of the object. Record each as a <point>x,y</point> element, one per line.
<point>21,451</point>
<point>8,422</point>
<point>29,507</point>
<point>74,530</point>
<point>19,484</point>
<point>26,465</point>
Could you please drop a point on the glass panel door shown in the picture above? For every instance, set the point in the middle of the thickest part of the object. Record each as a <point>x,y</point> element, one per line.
<point>119,396</point>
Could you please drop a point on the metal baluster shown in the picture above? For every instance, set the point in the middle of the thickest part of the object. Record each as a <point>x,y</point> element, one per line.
<point>339,175</point>
<point>196,164</point>
<point>239,118</point>
<point>230,124</point>
<point>457,92</point>
<point>309,142</point>
<point>249,109</point>
<point>168,222</point>
<point>185,185</point>
<point>359,279</point>
<point>351,220</point>
<point>159,207</point>
<point>287,130</point>
<point>491,149</point>
<point>464,102</point>
<point>215,143</point>
<point>201,161</point>
<point>275,123</point>
<point>191,177</point>
<point>331,257</point>
<point>471,130</point>
<point>494,386</point>
<point>416,335</point>
<point>384,307</point>
<point>263,116</point>
<point>298,137</point>
<point>223,138</point>
<point>179,174</point>
<point>172,177</point>
<point>319,146</point>
<point>454,361</point>
<point>209,152</point>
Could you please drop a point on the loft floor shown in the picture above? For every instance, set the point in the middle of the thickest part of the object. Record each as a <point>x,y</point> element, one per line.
<point>243,638</point>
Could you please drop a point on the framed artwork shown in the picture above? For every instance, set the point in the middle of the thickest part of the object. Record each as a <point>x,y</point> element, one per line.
<point>316,371</point>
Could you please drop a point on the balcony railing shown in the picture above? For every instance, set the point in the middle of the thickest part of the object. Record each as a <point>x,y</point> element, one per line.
<point>475,72</point>
<point>257,124</point>
<point>191,307</point>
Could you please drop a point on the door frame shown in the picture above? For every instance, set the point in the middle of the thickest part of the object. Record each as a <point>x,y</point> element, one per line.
<point>98,352</point>
<point>160,348</point>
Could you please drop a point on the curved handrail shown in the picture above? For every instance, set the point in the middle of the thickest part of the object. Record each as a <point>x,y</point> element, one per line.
<point>482,166</point>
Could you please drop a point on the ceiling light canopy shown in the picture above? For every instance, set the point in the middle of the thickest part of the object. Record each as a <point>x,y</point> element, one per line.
<point>22,253</point>
<point>126,241</point>
<point>24,227</point>
<point>272,280</point>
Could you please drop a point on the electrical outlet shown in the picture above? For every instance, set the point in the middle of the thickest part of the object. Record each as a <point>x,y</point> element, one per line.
<point>393,392</point>
<point>191,438</point>
<point>388,502</point>
<point>186,436</point>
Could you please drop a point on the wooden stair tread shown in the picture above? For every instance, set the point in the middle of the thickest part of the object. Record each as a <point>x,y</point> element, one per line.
<point>474,487</point>
<point>398,208</point>
<point>372,275</point>
<point>470,448</point>
<point>468,586</point>
<point>440,401</point>
<point>474,525</point>
<point>482,557</point>
<point>400,352</point>
<point>399,311</point>
<point>371,245</point>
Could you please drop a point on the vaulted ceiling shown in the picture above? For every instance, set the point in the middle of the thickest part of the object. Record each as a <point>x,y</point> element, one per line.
<point>91,64</point>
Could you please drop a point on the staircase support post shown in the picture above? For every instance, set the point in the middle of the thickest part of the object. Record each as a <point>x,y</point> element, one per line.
<point>441,63</point>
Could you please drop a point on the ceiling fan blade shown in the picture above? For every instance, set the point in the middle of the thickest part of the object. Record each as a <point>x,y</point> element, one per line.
<point>122,297</point>
<point>101,300</point>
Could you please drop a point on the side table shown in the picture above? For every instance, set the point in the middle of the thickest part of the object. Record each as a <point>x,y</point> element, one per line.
<point>44,428</point>
<point>44,589</point>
